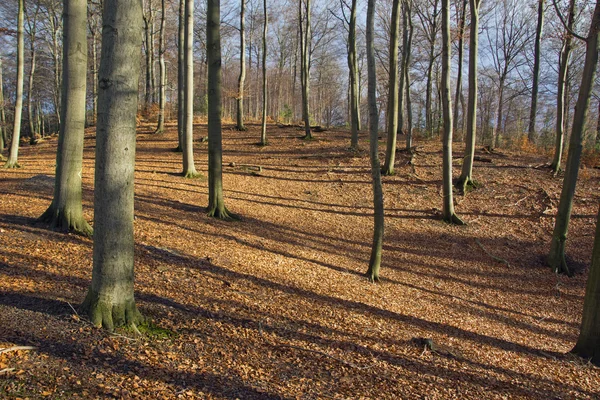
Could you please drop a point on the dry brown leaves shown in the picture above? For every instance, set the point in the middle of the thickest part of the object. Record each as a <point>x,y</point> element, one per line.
<point>275,306</point>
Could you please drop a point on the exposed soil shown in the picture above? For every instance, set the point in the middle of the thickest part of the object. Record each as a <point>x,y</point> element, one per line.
<point>276,305</point>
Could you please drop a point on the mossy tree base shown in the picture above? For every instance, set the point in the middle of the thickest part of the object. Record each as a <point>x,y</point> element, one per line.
<point>65,221</point>
<point>454,220</point>
<point>387,171</point>
<point>158,131</point>
<point>241,128</point>
<point>307,137</point>
<point>109,315</point>
<point>222,213</point>
<point>465,185</point>
<point>556,259</point>
<point>191,174</point>
<point>11,165</point>
<point>372,274</point>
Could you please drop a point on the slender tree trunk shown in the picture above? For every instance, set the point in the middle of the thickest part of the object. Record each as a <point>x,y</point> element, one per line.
<point>536,71</point>
<point>392,108</point>
<point>403,66</point>
<point>556,258</point>
<point>16,134</point>
<point>55,23</point>
<point>149,47</point>
<point>189,169</point>
<point>428,88</point>
<point>65,212</point>
<point>588,343</point>
<point>242,78</point>
<point>353,67</point>
<point>461,39</point>
<point>181,70</point>
<point>466,176</point>
<point>30,106</point>
<point>216,204</point>
<point>448,202</point>
<point>305,41</point>
<point>499,116</point>
<point>561,92</point>
<point>162,78</point>
<point>263,131</point>
<point>378,228</point>
<point>95,71</point>
<point>2,115</point>
<point>110,300</point>
<point>407,63</point>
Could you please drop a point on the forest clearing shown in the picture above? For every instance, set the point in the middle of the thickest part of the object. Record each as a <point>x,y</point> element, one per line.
<point>276,305</point>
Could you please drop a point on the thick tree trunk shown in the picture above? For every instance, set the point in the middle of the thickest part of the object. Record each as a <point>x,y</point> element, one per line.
<point>189,169</point>
<point>448,202</point>
<point>461,37</point>
<point>65,212</point>
<point>216,204</point>
<point>375,260</point>
<point>588,343</point>
<point>466,176</point>
<point>16,134</point>
<point>556,258</point>
<point>392,107</point>
<point>110,299</point>
<point>536,71</point>
<point>181,78</point>
<point>263,131</point>
<point>242,78</point>
<point>162,78</point>
<point>305,41</point>
<point>561,92</point>
<point>353,67</point>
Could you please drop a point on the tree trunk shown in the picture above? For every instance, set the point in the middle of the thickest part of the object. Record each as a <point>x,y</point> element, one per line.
<point>65,212</point>
<point>216,204</point>
<point>189,169</point>
<point>110,300</point>
<point>461,36</point>
<point>556,258</point>
<point>353,67</point>
<point>588,343</point>
<point>392,107</point>
<point>448,202</point>
<point>181,69</point>
<point>536,71</point>
<point>240,97</point>
<point>466,176</point>
<point>305,40</point>
<point>407,63</point>
<point>561,92</point>
<point>375,260</point>
<point>30,106</point>
<point>162,78</point>
<point>95,70</point>
<point>263,131</point>
<point>499,117</point>
<point>149,47</point>
<point>2,115</point>
<point>13,155</point>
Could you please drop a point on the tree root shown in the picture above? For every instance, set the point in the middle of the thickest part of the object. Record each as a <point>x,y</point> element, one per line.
<point>11,165</point>
<point>454,220</point>
<point>502,260</point>
<point>62,221</point>
<point>372,274</point>
<point>104,313</point>
<point>241,128</point>
<point>191,174</point>
<point>222,213</point>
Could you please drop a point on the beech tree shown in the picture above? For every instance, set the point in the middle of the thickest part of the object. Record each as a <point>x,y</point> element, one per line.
<point>189,169</point>
<point>392,108</point>
<point>536,71</point>
<point>65,211</point>
<point>466,175</point>
<point>458,97</point>
<point>556,258</point>
<point>242,77</point>
<point>263,130</point>
<point>378,226</point>
<point>448,203</point>
<point>181,76</point>
<point>13,154</point>
<point>31,16</point>
<point>110,299</point>
<point>407,37</point>
<point>216,204</point>
<point>2,115</point>
<point>305,40</point>
<point>162,74</point>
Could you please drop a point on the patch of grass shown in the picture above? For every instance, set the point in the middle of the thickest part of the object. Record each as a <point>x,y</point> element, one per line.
<point>151,330</point>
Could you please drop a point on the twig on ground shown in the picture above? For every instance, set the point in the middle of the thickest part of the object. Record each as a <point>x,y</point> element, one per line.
<point>502,260</point>
<point>5,370</point>
<point>350,364</point>
<point>16,348</point>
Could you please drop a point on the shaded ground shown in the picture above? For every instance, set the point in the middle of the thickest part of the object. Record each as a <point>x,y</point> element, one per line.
<point>275,306</point>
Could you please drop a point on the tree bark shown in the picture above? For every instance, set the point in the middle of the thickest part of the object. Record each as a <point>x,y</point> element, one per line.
<point>65,212</point>
<point>181,78</point>
<point>556,258</point>
<point>392,107</point>
<point>588,343</point>
<point>466,176</point>
<point>407,63</point>
<point>353,67</point>
<point>13,155</point>
<point>536,71</point>
<point>162,77</point>
<point>461,37</point>
<point>3,136</point>
<point>242,78</point>
<point>561,92</point>
<point>149,47</point>
<point>110,299</point>
<point>189,169</point>
<point>263,131</point>
<point>216,204</point>
<point>378,228</point>
<point>305,40</point>
<point>448,202</point>
<point>32,25</point>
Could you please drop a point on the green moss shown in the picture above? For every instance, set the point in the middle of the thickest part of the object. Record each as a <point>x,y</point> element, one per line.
<point>153,331</point>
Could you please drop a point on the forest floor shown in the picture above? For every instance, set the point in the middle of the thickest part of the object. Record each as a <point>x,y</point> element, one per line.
<point>276,305</point>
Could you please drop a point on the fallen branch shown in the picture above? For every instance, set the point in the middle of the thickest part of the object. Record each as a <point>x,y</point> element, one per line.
<point>350,364</point>
<point>248,166</point>
<point>16,348</point>
<point>502,260</point>
<point>5,370</point>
